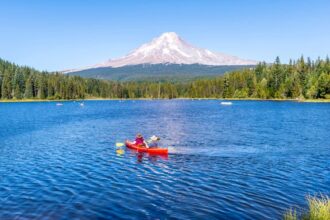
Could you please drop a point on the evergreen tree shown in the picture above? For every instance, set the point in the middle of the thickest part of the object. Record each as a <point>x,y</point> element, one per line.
<point>296,79</point>
<point>323,85</point>
<point>6,87</point>
<point>29,88</point>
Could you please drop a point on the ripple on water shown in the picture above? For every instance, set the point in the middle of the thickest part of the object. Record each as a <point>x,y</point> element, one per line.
<point>251,161</point>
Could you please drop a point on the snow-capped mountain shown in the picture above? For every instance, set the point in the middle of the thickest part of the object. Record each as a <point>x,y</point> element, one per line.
<point>170,48</point>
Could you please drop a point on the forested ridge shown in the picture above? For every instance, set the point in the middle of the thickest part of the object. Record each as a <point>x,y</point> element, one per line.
<point>158,72</point>
<point>302,78</point>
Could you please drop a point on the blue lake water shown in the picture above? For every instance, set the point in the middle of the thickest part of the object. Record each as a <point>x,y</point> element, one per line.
<point>251,160</point>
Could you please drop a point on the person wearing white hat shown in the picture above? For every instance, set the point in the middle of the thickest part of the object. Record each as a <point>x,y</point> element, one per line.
<point>153,141</point>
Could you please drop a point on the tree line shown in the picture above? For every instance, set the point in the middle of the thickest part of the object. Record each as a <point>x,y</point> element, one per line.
<point>302,78</point>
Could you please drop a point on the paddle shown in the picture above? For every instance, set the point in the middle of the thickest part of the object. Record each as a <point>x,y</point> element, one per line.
<point>120,152</point>
<point>119,144</point>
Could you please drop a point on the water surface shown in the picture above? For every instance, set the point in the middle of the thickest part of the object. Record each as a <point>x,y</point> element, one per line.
<point>251,160</point>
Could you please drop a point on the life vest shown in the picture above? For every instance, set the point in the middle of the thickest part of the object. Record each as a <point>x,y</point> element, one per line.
<point>139,141</point>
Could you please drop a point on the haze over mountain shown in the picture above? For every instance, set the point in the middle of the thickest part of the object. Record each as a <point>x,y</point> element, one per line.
<point>165,55</point>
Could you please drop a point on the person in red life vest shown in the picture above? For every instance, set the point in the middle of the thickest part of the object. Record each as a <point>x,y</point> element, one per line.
<point>139,140</point>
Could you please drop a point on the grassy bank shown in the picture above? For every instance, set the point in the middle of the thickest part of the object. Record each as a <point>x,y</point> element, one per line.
<point>318,209</point>
<point>315,100</point>
<point>32,100</point>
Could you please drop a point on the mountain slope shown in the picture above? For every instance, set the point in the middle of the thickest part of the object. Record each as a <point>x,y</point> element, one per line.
<point>157,72</point>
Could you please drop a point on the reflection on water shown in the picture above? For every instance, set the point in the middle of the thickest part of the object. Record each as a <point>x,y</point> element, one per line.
<point>120,152</point>
<point>144,156</point>
<point>252,160</point>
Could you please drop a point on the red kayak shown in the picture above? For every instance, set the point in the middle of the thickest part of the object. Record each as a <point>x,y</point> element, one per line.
<point>141,149</point>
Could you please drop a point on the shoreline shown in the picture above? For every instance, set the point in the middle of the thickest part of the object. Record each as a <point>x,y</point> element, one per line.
<point>146,99</point>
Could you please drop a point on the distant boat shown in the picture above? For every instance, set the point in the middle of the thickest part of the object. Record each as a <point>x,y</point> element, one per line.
<point>226,103</point>
<point>82,104</point>
<point>59,104</point>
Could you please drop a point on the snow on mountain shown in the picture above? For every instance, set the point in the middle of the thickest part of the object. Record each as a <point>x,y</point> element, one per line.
<point>170,48</point>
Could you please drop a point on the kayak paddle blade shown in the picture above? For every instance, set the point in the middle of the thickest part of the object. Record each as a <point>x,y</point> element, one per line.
<point>119,144</point>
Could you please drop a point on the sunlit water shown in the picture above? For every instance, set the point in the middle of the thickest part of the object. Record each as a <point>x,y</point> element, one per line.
<point>250,160</point>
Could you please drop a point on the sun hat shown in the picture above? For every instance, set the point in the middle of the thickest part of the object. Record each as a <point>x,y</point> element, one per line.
<point>154,138</point>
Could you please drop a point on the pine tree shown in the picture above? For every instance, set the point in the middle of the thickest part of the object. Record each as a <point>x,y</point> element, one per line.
<point>323,85</point>
<point>29,88</point>
<point>6,87</point>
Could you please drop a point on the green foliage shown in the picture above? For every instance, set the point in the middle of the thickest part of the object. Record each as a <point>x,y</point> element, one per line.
<point>299,79</point>
<point>291,214</point>
<point>277,81</point>
<point>318,209</point>
<point>323,85</point>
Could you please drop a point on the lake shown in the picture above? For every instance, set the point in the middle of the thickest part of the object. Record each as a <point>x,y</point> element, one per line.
<point>249,160</point>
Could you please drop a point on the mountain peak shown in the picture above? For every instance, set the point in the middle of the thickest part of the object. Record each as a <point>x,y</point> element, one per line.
<point>170,48</point>
<point>169,36</point>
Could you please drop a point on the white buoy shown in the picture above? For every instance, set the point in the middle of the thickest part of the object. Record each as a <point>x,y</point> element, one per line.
<point>226,103</point>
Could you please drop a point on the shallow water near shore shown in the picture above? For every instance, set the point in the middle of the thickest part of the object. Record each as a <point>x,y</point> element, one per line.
<point>249,160</point>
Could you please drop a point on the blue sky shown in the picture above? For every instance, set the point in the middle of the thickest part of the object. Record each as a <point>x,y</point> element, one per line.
<point>62,34</point>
